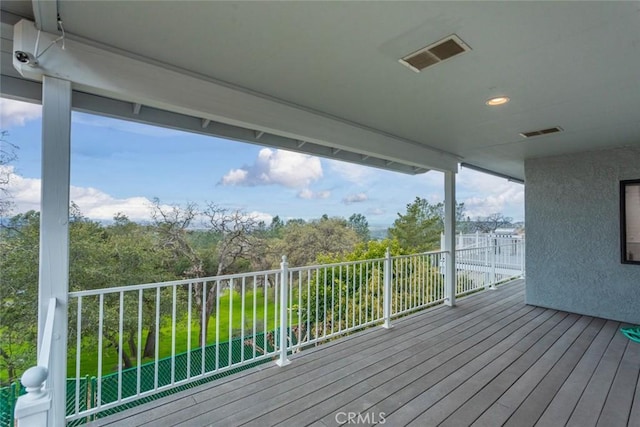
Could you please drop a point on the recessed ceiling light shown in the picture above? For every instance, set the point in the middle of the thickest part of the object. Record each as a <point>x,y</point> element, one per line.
<point>499,100</point>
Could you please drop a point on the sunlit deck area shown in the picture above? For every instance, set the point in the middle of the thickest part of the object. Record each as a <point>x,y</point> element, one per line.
<point>491,360</point>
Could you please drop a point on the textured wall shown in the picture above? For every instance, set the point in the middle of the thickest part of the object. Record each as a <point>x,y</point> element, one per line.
<point>573,234</point>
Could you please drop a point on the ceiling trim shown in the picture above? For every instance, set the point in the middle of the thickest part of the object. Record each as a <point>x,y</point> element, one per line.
<point>100,71</point>
<point>490,172</point>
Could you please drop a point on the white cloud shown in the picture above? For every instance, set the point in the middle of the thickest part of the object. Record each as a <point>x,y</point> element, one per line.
<point>279,167</point>
<point>352,172</point>
<point>307,194</point>
<point>355,198</point>
<point>235,177</point>
<point>261,216</point>
<point>486,194</point>
<point>93,203</point>
<point>17,113</point>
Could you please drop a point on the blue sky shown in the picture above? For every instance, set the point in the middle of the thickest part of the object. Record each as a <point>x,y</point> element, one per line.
<point>119,166</point>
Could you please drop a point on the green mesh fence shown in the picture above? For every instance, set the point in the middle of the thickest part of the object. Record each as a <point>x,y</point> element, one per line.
<point>215,357</point>
<point>8,397</point>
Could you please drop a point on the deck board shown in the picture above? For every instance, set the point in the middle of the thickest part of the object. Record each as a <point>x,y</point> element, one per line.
<point>364,352</point>
<point>564,402</point>
<point>590,405</point>
<point>530,409</point>
<point>405,374</point>
<point>492,360</point>
<point>370,361</point>
<point>617,407</point>
<point>477,393</point>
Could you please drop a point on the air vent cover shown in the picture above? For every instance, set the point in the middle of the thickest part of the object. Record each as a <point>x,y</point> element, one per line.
<point>434,53</point>
<point>541,132</point>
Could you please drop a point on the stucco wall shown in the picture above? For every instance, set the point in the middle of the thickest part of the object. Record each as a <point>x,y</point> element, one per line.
<point>573,234</point>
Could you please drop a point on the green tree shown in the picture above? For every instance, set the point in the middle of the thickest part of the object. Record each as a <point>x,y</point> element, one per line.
<point>124,253</point>
<point>302,243</point>
<point>19,243</point>
<point>135,258</point>
<point>8,153</point>
<point>419,229</point>
<point>360,225</point>
<point>276,227</point>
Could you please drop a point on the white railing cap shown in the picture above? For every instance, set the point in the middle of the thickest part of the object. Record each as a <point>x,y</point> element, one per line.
<point>34,376</point>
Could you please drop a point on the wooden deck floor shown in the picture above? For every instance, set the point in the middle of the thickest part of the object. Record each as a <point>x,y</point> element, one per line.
<point>490,361</point>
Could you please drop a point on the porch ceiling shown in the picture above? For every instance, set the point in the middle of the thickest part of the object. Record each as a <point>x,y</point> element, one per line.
<point>568,64</point>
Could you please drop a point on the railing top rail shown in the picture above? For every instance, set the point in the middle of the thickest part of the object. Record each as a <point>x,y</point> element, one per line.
<point>419,254</point>
<point>335,264</point>
<point>126,288</point>
<point>475,248</point>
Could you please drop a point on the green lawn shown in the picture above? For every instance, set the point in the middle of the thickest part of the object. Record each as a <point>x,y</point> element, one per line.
<point>89,353</point>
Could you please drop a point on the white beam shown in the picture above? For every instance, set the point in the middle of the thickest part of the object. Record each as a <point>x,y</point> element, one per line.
<point>31,91</point>
<point>45,13</point>
<point>100,71</point>
<point>450,237</point>
<point>136,108</point>
<point>54,233</point>
<point>205,123</point>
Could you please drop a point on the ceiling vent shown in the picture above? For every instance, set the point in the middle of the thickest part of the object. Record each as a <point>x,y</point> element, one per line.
<point>541,132</point>
<point>437,52</point>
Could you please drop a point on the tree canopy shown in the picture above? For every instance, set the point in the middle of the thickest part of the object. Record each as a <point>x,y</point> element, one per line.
<point>420,227</point>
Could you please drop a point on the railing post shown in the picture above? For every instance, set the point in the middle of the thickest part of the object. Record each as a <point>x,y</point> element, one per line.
<point>450,273</point>
<point>492,254</point>
<point>33,408</point>
<point>487,267</point>
<point>522,244</point>
<point>386,298</point>
<point>284,311</point>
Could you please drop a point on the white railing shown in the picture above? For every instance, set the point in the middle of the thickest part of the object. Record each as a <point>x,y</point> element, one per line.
<point>32,409</point>
<point>480,240</point>
<point>416,282</point>
<point>484,267</point>
<point>329,300</point>
<point>240,314</point>
<point>142,340</point>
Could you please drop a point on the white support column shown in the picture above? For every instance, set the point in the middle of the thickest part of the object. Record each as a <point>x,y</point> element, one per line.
<point>283,360</point>
<point>450,238</point>
<point>386,303</point>
<point>54,233</point>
